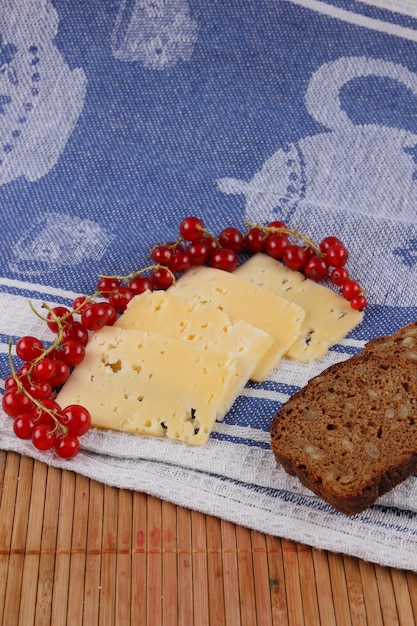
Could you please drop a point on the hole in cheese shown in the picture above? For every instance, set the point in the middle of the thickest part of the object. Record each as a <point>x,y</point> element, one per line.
<point>116,366</point>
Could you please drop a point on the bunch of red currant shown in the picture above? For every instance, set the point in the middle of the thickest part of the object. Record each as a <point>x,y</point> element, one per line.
<point>30,391</point>
<point>197,246</point>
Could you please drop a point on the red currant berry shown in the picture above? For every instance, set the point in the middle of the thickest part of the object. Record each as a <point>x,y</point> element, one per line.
<point>23,426</point>
<point>15,402</point>
<point>111,313</point>
<point>107,284</point>
<point>76,332</point>
<point>72,352</point>
<point>212,243</point>
<point>43,369</point>
<point>275,245</point>
<point>121,298</point>
<point>29,348</point>
<point>316,268</point>
<point>295,257</point>
<point>351,289</point>
<point>337,255</point>
<point>175,246</point>
<point>277,225</point>
<point>139,284</point>
<point>40,390</point>
<point>180,262</point>
<point>77,419</point>
<point>94,316</point>
<point>339,276</point>
<point>23,373</point>
<point>255,240</point>
<point>67,446</point>
<point>43,437</point>
<point>358,303</point>
<point>162,277</point>
<point>62,372</point>
<point>224,259</point>
<point>63,314</point>
<point>231,238</point>
<point>327,242</point>
<point>162,255</point>
<point>310,253</point>
<point>43,415</point>
<point>10,383</point>
<point>79,303</point>
<point>198,252</point>
<point>192,229</point>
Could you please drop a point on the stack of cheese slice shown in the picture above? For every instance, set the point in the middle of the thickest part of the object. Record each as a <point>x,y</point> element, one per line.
<point>175,361</point>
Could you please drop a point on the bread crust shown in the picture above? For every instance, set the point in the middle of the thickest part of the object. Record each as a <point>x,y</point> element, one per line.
<point>350,435</point>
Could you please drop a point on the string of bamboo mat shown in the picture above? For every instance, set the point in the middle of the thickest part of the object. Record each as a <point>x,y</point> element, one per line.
<point>73,551</point>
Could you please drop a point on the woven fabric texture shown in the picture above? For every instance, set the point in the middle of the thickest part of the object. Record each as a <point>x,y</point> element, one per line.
<point>118,119</point>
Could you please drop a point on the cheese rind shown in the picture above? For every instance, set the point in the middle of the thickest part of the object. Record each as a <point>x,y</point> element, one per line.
<point>203,326</point>
<point>329,317</point>
<point>149,384</point>
<point>242,299</point>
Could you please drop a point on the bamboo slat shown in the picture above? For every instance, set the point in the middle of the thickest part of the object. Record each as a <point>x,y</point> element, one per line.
<point>77,566</point>
<point>48,549</point>
<point>14,591</point>
<point>123,562</point>
<point>276,582</point>
<point>292,582</point>
<point>169,563</point>
<point>370,592</point>
<point>184,567</point>
<point>387,596</point>
<point>324,588</point>
<point>339,589</point>
<point>230,574</point>
<point>66,519</point>
<point>215,572</point>
<point>355,591</point>
<point>31,548</point>
<point>154,563</point>
<point>139,608</point>
<point>260,575</point>
<point>200,569</point>
<point>246,576</point>
<point>93,554</point>
<point>108,579</point>
<point>74,552</point>
<point>308,585</point>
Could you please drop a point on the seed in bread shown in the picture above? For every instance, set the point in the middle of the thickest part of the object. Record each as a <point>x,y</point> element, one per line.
<point>350,435</point>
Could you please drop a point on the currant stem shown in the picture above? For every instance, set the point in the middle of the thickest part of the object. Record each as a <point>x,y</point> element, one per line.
<point>139,272</point>
<point>287,231</point>
<point>208,233</point>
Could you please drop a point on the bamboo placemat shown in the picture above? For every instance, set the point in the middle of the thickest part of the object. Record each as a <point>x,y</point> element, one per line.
<point>74,551</point>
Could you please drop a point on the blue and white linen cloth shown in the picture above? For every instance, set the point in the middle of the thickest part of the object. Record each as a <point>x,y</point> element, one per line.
<point>120,117</point>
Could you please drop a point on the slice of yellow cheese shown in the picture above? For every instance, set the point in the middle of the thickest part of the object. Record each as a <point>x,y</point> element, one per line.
<point>241,299</point>
<point>329,317</point>
<point>150,384</point>
<point>204,326</point>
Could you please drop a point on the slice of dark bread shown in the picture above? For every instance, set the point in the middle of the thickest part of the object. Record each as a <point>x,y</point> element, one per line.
<point>402,343</point>
<point>350,435</point>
